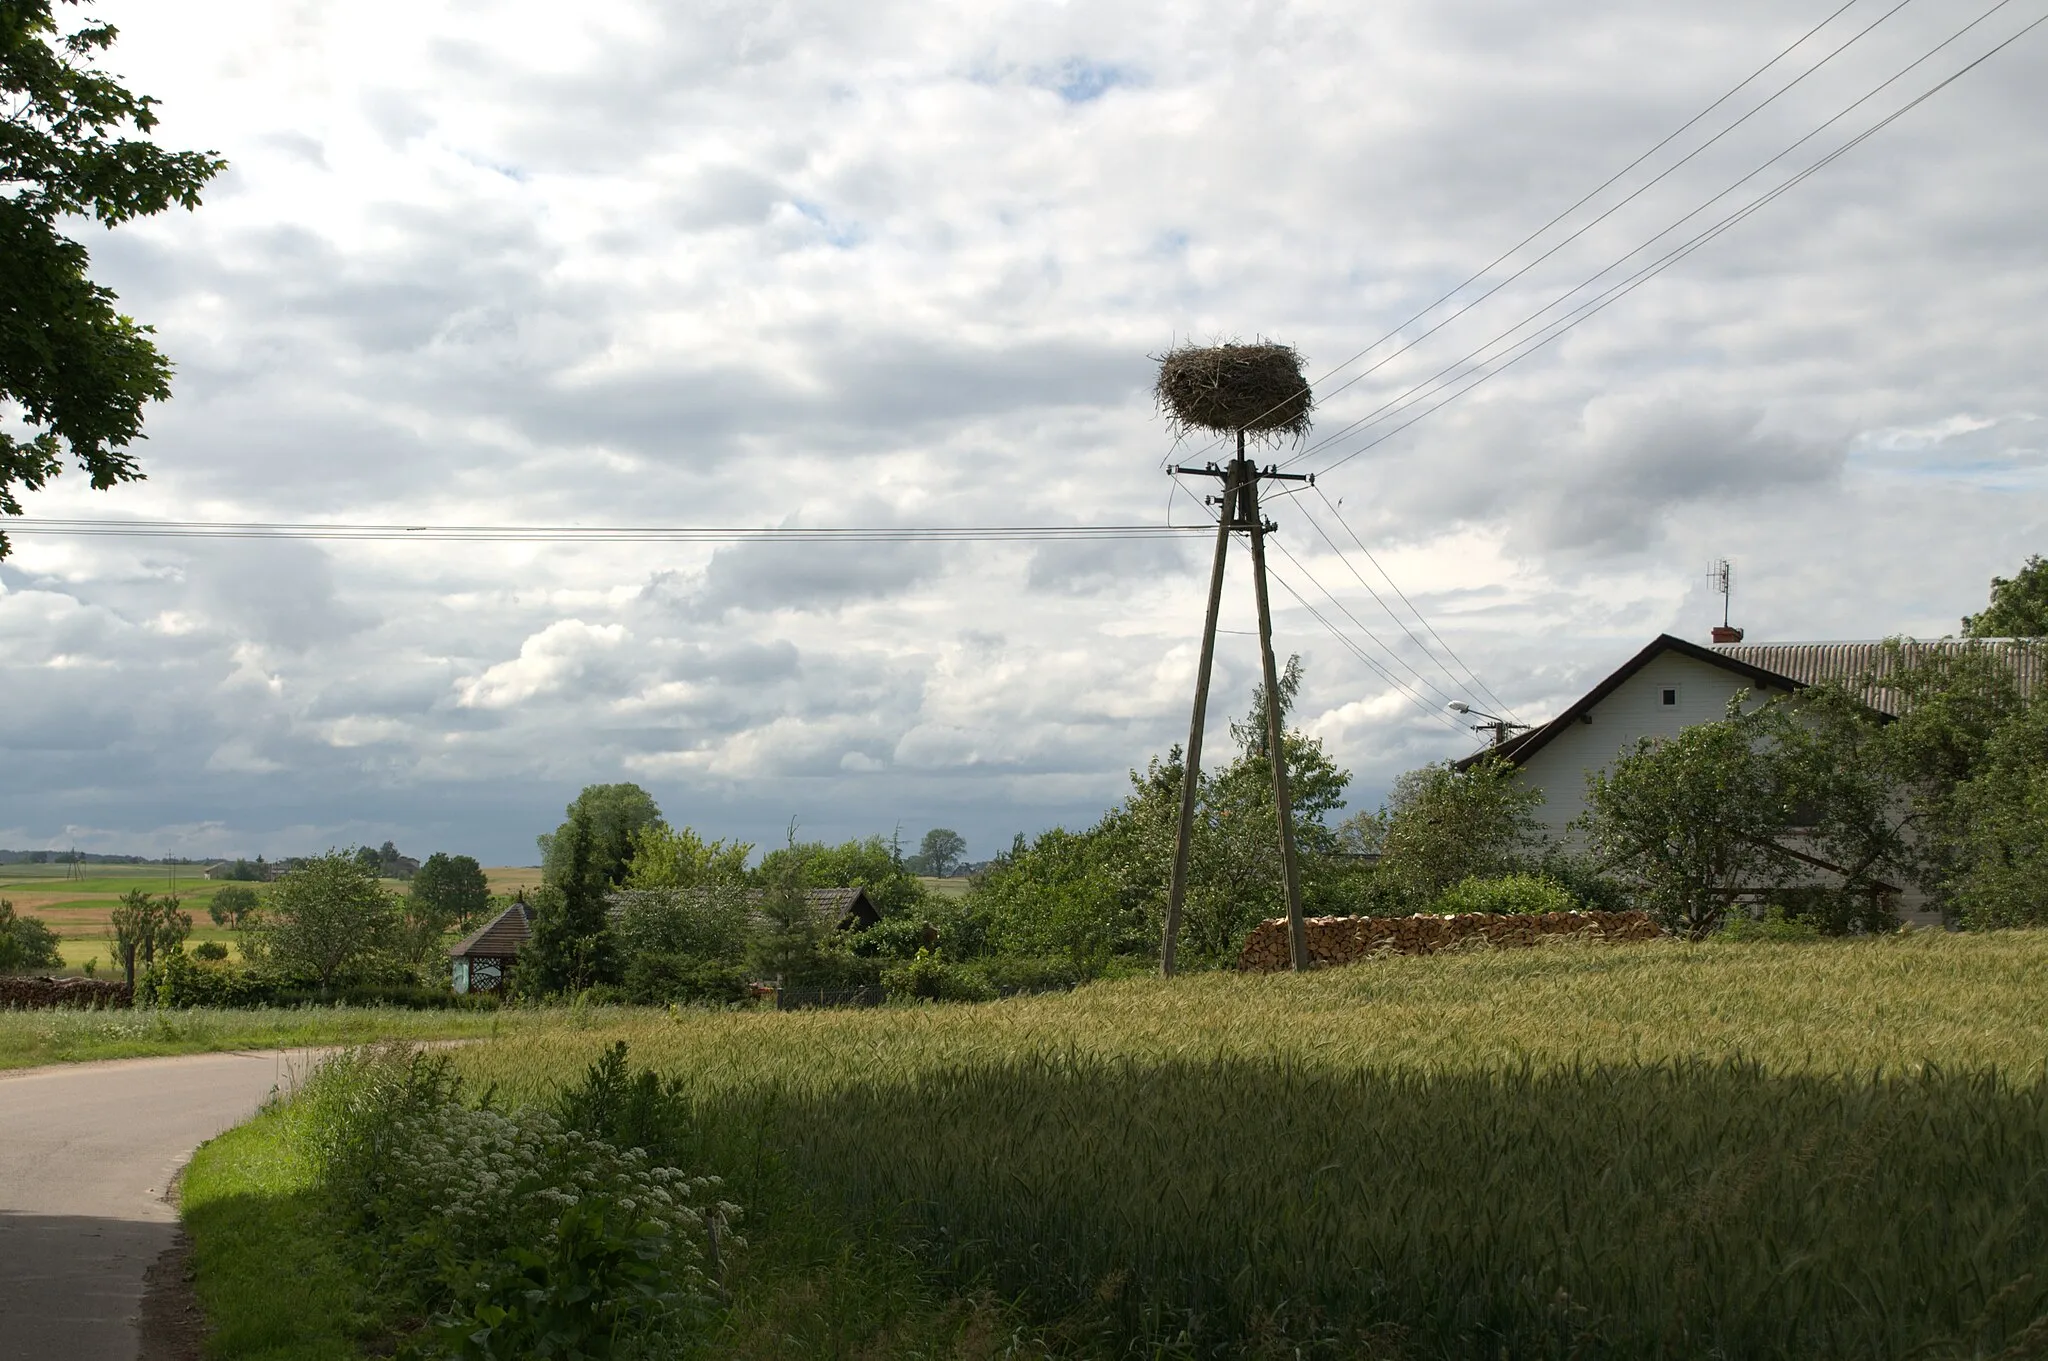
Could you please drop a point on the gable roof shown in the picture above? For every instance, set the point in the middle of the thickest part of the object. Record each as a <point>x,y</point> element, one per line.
<point>1522,746</point>
<point>498,938</point>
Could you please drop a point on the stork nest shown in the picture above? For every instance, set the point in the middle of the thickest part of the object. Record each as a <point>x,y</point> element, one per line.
<point>1255,388</point>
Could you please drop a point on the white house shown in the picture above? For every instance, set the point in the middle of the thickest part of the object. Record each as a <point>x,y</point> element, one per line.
<point>1672,684</point>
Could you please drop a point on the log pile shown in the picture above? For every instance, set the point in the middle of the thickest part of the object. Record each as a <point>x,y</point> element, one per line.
<point>1346,940</point>
<point>64,992</point>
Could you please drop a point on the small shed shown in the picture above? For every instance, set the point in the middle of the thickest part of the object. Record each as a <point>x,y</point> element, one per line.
<point>482,958</point>
<point>844,909</point>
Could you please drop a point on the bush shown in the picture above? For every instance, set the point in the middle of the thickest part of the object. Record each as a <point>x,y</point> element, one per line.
<point>180,981</point>
<point>928,978</point>
<point>518,1233</point>
<point>1524,894</point>
<point>1009,974</point>
<point>1774,924</point>
<point>661,977</point>
<point>1833,912</point>
<point>26,943</point>
<point>210,950</point>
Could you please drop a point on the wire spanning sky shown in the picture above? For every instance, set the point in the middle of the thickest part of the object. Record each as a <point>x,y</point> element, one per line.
<point>811,266</point>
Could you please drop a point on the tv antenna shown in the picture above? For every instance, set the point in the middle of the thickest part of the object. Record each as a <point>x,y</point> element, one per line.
<point>1722,577</point>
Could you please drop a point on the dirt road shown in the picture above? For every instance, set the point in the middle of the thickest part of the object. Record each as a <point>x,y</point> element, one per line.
<point>86,1153</point>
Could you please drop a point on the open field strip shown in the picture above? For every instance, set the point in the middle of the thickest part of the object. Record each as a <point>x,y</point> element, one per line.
<point>29,1038</point>
<point>1829,1150</point>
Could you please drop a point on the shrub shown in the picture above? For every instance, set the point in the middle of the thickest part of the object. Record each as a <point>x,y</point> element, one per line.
<point>661,977</point>
<point>1008,974</point>
<point>25,942</point>
<point>517,1232</point>
<point>210,950</point>
<point>928,978</point>
<point>1507,893</point>
<point>1774,924</point>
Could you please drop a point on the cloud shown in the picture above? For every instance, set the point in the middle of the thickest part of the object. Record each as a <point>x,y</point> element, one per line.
<point>901,264</point>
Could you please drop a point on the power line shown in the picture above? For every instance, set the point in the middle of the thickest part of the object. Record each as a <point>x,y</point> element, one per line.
<point>1421,390</point>
<point>1487,268</point>
<point>1474,680</point>
<point>1421,680</point>
<point>212,529</point>
<point>1393,682</point>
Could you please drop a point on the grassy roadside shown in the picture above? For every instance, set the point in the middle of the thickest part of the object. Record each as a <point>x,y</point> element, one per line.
<point>268,1268</point>
<point>31,1038</point>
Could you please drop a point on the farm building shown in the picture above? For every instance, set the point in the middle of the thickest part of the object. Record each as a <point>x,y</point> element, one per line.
<point>481,959</point>
<point>1673,684</point>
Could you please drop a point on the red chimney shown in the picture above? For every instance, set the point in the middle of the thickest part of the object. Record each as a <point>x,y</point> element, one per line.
<point>1724,634</point>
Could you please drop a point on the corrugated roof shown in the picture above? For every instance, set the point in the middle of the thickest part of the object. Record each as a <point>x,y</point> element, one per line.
<point>1849,663</point>
<point>498,938</point>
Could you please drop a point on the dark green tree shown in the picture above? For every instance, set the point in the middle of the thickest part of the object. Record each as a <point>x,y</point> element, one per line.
<point>79,371</point>
<point>2018,608</point>
<point>612,814</point>
<point>572,947</point>
<point>235,906</point>
<point>872,864</point>
<point>940,851</point>
<point>446,892</point>
<point>26,942</point>
<point>1442,825</point>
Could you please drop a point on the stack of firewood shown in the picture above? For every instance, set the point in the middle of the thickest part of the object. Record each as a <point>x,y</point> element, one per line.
<point>63,992</point>
<point>1345,940</point>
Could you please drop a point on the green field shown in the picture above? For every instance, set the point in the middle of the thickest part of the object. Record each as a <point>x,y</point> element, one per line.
<point>1825,1150</point>
<point>29,1038</point>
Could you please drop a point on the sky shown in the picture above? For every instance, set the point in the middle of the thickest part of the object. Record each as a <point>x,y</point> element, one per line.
<point>911,264</point>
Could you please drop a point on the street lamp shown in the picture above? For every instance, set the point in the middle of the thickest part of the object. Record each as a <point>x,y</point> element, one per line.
<point>1501,728</point>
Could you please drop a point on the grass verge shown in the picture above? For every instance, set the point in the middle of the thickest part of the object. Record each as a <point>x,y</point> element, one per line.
<point>30,1038</point>
<point>269,1269</point>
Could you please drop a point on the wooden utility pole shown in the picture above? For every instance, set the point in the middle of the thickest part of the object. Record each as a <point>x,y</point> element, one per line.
<point>1240,503</point>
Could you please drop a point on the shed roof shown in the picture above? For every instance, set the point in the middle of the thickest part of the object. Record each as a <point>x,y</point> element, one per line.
<point>498,938</point>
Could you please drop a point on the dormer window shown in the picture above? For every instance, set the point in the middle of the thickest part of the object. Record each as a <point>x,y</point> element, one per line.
<point>1668,697</point>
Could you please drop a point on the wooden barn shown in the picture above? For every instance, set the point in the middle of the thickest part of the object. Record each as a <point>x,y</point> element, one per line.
<point>482,958</point>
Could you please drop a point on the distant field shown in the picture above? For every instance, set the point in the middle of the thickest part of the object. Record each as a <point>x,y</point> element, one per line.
<point>506,878</point>
<point>945,888</point>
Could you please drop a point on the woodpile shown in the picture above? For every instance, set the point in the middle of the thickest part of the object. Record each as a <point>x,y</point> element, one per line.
<point>1346,940</point>
<point>64,992</point>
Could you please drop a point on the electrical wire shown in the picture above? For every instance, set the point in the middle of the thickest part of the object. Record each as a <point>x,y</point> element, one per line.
<point>1470,675</point>
<point>1605,184</point>
<point>1400,623</point>
<point>1428,387</point>
<point>211,529</point>
<point>1420,680</point>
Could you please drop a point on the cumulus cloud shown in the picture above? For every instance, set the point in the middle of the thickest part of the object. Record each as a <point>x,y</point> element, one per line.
<point>901,264</point>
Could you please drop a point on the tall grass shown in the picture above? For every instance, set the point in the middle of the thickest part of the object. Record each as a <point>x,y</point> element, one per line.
<point>1834,1150</point>
<point>34,1037</point>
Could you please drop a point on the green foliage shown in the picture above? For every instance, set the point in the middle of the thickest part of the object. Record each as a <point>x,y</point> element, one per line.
<point>447,893</point>
<point>872,864</point>
<point>1442,825</point>
<point>1509,893</point>
<point>929,978</point>
<point>78,371</point>
<point>518,1233</point>
<point>788,939</point>
<point>26,943</point>
<point>328,919</point>
<point>939,852</point>
<point>2018,608</point>
<point>1693,821</point>
<point>210,950</point>
<point>710,922</point>
<point>609,818</point>
<point>246,872</point>
<point>655,976</point>
<point>1775,924</point>
<point>144,926</point>
<point>235,906</point>
<point>673,858</point>
<point>2000,817</point>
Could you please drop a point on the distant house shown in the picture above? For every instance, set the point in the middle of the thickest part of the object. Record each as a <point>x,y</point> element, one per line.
<point>481,959</point>
<point>1673,684</point>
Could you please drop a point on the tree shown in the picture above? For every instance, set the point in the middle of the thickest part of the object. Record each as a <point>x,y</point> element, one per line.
<point>2018,608</point>
<point>26,943</point>
<point>234,906</point>
<point>872,864</point>
<point>143,927</point>
<point>1442,825</point>
<point>329,918</point>
<point>572,946</point>
<point>446,892</point>
<point>1694,821</point>
<point>940,851</point>
<point>612,814</point>
<point>789,939</point>
<point>78,371</point>
<point>2000,860</point>
<point>668,858</point>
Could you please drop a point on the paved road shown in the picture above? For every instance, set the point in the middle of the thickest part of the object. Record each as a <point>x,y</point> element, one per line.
<point>86,1152</point>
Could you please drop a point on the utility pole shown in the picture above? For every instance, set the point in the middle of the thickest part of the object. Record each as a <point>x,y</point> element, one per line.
<point>1240,513</point>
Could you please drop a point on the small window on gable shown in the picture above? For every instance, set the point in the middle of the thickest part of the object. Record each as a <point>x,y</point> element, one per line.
<point>1668,697</point>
